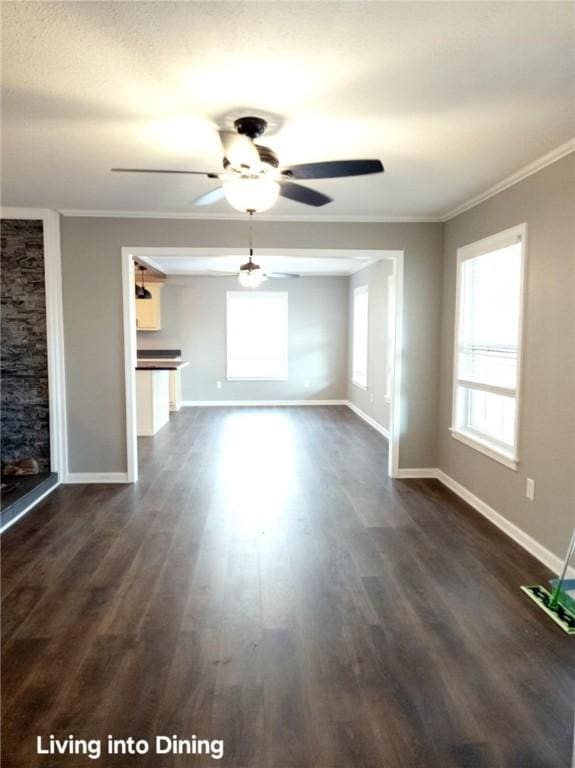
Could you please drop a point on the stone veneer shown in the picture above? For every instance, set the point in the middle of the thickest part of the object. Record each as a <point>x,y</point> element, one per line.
<point>23,350</point>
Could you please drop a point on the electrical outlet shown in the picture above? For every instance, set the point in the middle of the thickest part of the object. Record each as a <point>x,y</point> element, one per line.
<point>530,489</point>
<point>306,383</point>
<point>371,397</point>
<point>218,384</point>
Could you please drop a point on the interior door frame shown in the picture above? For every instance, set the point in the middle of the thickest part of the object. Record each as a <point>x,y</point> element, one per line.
<point>130,359</point>
<point>395,407</point>
<point>131,253</point>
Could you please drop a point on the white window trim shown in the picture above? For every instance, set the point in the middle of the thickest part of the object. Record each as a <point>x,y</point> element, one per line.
<point>507,237</point>
<point>484,447</point>
<point>248,295</point>
<point>361,289</point>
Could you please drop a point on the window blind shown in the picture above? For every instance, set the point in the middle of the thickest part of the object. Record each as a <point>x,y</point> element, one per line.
<point>490,302</point>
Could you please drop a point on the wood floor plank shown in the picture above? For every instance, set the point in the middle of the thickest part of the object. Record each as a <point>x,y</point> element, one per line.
<point>288,733</point>
<point>267,584</point>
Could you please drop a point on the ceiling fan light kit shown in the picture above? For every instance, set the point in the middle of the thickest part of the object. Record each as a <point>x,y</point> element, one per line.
<point>251,275</point>
<point>251,194</point>
<point>252,178</point>
<point>252,279</point>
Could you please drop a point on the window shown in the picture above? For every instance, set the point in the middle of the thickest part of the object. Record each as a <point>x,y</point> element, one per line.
<point>257,335</point>
<point>390,337</point>
<point>360,336</point>
<point>488,344</point>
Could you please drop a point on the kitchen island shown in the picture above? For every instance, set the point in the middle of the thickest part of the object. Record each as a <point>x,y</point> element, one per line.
<point>152,400</point>
<point>174,378</point>
<point>158,391</point>
<point>165,360</point>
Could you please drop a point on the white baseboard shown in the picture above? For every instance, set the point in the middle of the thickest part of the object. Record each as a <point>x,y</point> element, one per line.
<point>417,472</point>
<point>534,548</point>
<point>362,415</point>
<point>526,541</point>
<point>255,403</point>
<point>75,478</point>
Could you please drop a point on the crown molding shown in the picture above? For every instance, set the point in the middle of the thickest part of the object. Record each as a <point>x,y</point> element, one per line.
<point>515,178</point>
<point>32,214</point>
<point>262,217</point>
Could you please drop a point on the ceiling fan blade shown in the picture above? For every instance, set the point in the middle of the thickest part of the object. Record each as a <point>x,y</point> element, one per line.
<point>213,196</point>
<point>333,169</point>
<point>302,194</point>
<point>281,274</point>
<point>239,150</point>
<point>209,174</point>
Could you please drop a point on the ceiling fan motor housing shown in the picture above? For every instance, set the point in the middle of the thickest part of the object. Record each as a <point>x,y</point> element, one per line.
<point>253,127</point>
<point>249,266</point>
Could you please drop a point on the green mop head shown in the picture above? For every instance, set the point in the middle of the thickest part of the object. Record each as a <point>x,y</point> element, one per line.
<point>561,615</point>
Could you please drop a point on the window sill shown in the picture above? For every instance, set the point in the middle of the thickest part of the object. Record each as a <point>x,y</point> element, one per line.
<point>484,447</point>
<point>359,385</point>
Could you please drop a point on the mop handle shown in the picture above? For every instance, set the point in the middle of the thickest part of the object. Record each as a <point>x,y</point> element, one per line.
<point>555,595</point>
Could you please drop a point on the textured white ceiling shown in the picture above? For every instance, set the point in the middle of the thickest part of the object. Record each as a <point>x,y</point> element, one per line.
<point>452,97</point>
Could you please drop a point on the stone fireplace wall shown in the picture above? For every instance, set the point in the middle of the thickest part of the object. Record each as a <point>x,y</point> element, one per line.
<point>24,400</point>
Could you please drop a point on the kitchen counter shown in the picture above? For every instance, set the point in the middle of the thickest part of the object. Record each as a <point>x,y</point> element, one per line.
<point>164,360</point>
<point>173,369</point>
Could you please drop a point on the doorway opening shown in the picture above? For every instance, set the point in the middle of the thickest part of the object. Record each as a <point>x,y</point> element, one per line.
<point>393,341</point>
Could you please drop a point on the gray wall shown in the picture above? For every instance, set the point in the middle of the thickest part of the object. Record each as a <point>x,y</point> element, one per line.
<point>92,286</point>
<point>546,201</point>
<point>194,320</point>
<point>372,401</point>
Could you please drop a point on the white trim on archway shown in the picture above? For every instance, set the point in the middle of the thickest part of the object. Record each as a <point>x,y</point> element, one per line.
<point>129,253</point>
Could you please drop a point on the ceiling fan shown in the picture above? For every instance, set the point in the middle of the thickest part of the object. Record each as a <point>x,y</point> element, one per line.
<point>250,274</point>
<point>252,178</point>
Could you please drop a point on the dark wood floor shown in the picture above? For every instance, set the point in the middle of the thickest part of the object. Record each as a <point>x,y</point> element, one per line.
<point>267,584</point>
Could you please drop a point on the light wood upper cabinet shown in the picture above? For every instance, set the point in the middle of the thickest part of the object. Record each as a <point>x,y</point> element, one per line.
<point>149,311</point>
